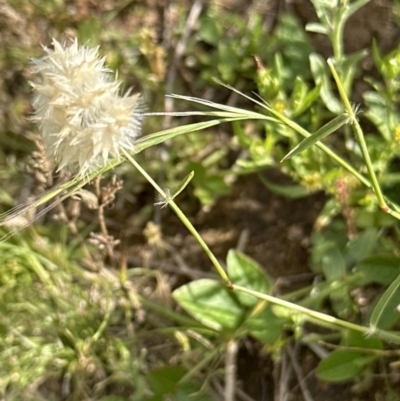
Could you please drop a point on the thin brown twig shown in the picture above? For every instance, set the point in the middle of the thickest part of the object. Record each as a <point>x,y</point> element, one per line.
<point>230,370</point>
<point>179,51</point>
<point>243,396</point>
<point>171,77</point>
<point>106,196</point>
<point>285,371</point>
<point>299,375</point>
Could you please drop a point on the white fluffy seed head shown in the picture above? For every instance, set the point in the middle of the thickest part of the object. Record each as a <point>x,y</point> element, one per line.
<point>82,118</point>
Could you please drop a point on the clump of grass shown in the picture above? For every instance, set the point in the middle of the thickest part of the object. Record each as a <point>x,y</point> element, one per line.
<point>60,327</point>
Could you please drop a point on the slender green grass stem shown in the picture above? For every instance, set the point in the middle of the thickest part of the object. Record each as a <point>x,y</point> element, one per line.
<point>348,280</point>
<point>329,152</point>
<point>363,146</point>
<point>311,314</point>
<point>337,38</point>
<point>25,341</point>
<point>104,324</point>
<point>367,159</point>
<point>287,121</point>
<point>183,218</point>
<point>322,318</point>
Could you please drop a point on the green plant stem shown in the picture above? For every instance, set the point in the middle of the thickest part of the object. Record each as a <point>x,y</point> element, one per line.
<point>363,146</point>
<point>296,127</point>
<point>313,315</point>
<point>184,220</point>
<point>322,293</point>
<point>329,152</point>
<point>25,341</point>
<point>280,117</point>
<point>105,323</point>
<point>322,318</point>
<point>337,36</point>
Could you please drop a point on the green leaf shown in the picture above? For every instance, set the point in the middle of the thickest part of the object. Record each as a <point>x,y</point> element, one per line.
<point>299,92</point>
<point>179,391</point>
<point>265,326</point>
<point>333,263</point>
<point>379,113</point>
<point>325,5</point>
<point>362,246</point>
<point>228,113</point>
<point>228,62</point>
<point>321,245</point>
<point>322,77</point>
<point>268,84</point>
<point>350,68</point>
<point>182,185</point>
<point>210,31</point>
<point>244,271</point>
<point>342,365</point>
<point>291,52</point>
<point>376,55</point>
<point>208,186</point>
<point>342,302</point>
<point>316,27</point>
<point>156,397</point>
<point>353,338</point>
<point>323,132</point>
<point>290,191</point>
<point>211,303</point>
<point>88,29</point>
<point>190,392</point>
<point>353,8</point>
<point>386,312</point>
<point>382,269</point>
<point>302,98</point>
<point>159,137</point>
<point>328,212</point>
<point>366,218</point>
<point>244,139</point>
<point>164,380</point>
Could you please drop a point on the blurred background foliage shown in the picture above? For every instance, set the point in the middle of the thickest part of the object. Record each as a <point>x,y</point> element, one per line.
<point>86,304</point>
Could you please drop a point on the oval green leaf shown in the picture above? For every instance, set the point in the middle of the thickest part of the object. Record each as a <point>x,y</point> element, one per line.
<point>211,303</point>
<point>342,365</point>
<point>244,271</point>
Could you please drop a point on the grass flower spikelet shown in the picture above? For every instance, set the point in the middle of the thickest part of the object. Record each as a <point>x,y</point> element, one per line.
<point>82,117</point>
